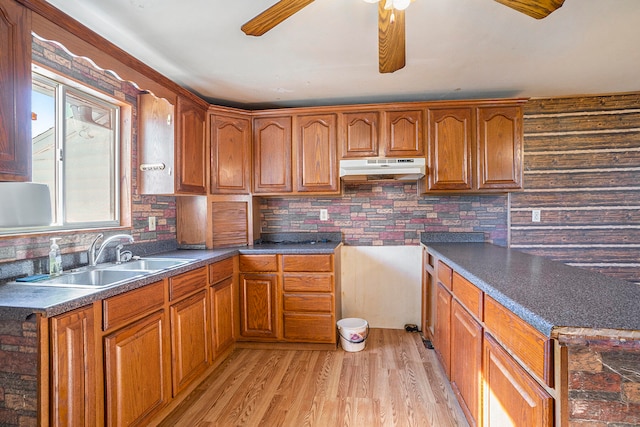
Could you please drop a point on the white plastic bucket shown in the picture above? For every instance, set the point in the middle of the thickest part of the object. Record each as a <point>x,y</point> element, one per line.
<point>353,333</point>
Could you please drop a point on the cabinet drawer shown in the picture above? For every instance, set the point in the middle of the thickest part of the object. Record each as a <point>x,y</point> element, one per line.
<point>186,283</point>
<point>468,294</point>
<point>444,274</point>
<point>525,342</point>
<point>309,327</point>
<point>308,302</point>
<point>121,309</point>
<point>308,262</point>
<point>258,262</point>
<point>220,270</point>
<point>308,283</point>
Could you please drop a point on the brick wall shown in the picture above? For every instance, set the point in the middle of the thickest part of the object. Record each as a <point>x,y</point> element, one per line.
<point>388,213</point>
<point>18,373</point>
<point>604,382</point>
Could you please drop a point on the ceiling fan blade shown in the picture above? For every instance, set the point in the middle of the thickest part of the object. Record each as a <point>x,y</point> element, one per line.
<point>391,39</point>
<point>535,8</point>
<point>273,16</point>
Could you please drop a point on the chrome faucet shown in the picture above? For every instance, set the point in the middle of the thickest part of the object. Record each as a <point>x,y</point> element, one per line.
<point>93,257</point>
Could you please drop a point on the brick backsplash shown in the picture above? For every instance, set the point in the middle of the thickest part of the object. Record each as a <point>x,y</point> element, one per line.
<point>387,213</point>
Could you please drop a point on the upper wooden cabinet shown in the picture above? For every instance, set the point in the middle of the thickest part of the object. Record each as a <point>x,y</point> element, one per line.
<point>475,148</point>
<point>230,138</point>
<point>172,153</point>
<point>403,133</point>
<point>382,133</point>
<point>500,147</point>
<point>316,147</point>
<point>191,158</point>
<point>272,155</point>
<point>156,136</point>
<point>15,92</point>
<point>359,134</point>
<point>304,144</point>
<point>450,148</point>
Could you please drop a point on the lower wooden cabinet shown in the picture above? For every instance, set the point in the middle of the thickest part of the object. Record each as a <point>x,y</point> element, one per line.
<point>511,396</point>
<point>466,361</point>
<point>258,306</point>
<point>73,369</point>
<point>442,334</point>
<point>222,315</point>
<point>189,343</point>
<point>121,360</point>
<point>137,371</point>
<point>499,366</point>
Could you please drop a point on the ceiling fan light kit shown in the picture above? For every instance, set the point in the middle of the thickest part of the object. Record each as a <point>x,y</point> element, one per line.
<point>391,34</point>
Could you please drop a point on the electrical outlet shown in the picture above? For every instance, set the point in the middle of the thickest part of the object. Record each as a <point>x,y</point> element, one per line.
<point>535,215</point>
<point>324,215</point>
<point>152,223</point>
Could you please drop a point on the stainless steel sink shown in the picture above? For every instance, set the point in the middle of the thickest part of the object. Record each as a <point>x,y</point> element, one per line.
<point>107,275</point>
<point>149,264</point>
<point>91,279</point>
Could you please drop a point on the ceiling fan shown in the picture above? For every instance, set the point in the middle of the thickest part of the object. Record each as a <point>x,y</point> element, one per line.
<point>391,33</point>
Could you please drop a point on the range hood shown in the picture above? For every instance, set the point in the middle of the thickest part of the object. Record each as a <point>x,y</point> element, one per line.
<point>399,169</point>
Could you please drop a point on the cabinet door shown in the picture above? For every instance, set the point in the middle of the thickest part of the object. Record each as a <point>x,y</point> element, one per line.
<point>450,149</point>
<point>360,133</point>
<point>137,371</point>
<point>511,396</point>
<point>258,305</point>
<point>272,155</point>
<point>500,146</point>
<point>73,373</point>
<point>15,92</point>
<point>466,361</point>
<point>222,315</point>
<point>156,137</point>
<point>189,340</point>
<point>230,155</point>
<point>442,335</point>
<point>190,148</point>
<point>404,133</point>
<point>317,159</point>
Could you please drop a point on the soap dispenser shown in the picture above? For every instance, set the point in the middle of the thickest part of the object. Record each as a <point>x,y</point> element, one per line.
<point>55,258</point>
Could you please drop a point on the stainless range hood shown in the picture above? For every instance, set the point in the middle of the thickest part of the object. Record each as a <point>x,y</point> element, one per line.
<point>399,169</point>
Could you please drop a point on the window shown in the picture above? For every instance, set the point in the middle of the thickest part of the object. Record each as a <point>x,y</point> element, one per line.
<point>76,144</point>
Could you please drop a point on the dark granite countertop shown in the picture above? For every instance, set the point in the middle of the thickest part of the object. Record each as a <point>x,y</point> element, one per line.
<point>545,293</point>
<point>22,300</point>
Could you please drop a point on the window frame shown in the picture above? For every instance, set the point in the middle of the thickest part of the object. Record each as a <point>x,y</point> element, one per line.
<point>120,154</point>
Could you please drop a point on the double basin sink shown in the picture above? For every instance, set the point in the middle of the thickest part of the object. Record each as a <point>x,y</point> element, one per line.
<point>107,275</point>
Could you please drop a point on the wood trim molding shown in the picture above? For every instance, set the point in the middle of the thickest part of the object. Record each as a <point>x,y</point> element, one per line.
<point>53,24</point>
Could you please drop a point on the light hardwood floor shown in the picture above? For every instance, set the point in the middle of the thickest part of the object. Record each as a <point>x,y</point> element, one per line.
<point>394,381</point>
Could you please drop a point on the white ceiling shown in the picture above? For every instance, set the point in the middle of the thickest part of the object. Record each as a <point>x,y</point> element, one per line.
<point>327,53</point>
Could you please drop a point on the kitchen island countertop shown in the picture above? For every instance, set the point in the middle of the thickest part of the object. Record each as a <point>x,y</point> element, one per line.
<point>546,294</point>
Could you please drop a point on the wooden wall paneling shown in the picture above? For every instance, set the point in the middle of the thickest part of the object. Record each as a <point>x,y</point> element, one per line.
<point>582,169</point>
